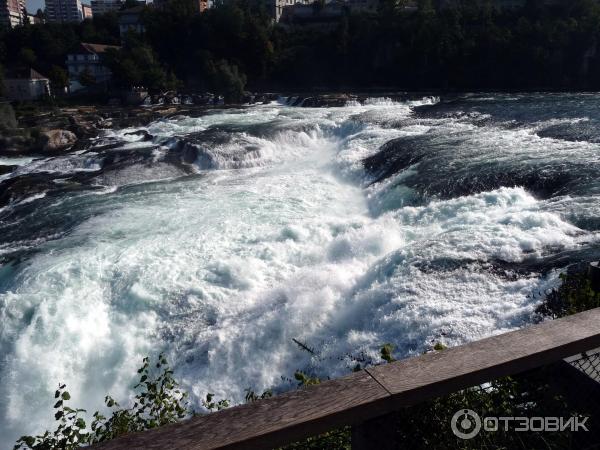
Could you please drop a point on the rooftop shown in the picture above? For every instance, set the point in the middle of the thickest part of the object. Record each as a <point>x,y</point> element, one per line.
<point>23,73</point>
<point>135,10</point>
<point>96,48</point>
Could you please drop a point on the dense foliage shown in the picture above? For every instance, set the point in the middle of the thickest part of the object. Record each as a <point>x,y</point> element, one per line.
<point>136,64</point>
<point>427,425</point>
<point>575,294</point>
<point>45,46</point>
<point>467,45</point>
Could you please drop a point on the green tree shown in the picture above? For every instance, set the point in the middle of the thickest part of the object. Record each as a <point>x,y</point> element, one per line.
<point>86,78</point>
<point>27,56</point>
<point>136,64</point>
<point>2,87</point>
<point>228,81</point>
<point>58,78</point>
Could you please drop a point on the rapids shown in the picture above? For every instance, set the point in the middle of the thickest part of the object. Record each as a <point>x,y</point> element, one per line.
<point>218,239</point>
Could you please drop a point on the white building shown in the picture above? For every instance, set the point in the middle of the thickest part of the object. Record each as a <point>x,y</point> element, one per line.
<point>130,20</point>
<point>330,11</point>
<point>86,11</point>
<point>64,11</point>
<point>88,58</point>
<point>34,19</point>
<point>104,6</point>
<point>25,85</point>
<point>12,12</point>
<point>276,7</point>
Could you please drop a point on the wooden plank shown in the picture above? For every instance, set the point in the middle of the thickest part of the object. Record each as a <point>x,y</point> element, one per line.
<point>272,422</point>
<point>379,390</point>
<point>416,379</point>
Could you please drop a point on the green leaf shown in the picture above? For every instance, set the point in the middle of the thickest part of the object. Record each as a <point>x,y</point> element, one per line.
<point>66,396</point>
<point>386,353</point>
<point>29,440</point>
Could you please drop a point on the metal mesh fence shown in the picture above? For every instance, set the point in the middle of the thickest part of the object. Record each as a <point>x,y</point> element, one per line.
<point>558,393</point>
<point>562,390</point>
<point>588,363</point>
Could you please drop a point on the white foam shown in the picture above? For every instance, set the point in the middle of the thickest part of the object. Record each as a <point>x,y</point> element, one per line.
<point>16,161</point>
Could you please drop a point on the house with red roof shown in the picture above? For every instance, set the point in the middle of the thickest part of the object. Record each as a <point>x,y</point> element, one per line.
<point>87,63</point>
<point>25,84</point>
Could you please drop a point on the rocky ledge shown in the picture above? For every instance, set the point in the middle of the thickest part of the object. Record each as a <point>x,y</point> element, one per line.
<point>56,130</point>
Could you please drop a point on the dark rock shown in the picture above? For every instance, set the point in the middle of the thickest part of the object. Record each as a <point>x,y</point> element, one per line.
<point>142,133</point>
<point>19,143</point>
<point>8,119</point>
<point>6,169</point>
<point>19,188</point>
<point>319,101</point>
<point>82,127</point>
<point>189,154</point>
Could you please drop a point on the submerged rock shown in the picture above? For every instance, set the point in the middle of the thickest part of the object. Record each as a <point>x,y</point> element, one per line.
<point>320,100</point>
<point>18,188</point>
<point>189,154</point>
<point>6,169</point>
<point>141,133</point>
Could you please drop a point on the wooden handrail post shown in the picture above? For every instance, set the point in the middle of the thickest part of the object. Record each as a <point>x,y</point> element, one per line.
<point>378,433</point>
<point>594,275</point>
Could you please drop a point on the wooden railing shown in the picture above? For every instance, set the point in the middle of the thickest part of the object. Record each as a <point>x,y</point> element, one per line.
<point>374,392</point>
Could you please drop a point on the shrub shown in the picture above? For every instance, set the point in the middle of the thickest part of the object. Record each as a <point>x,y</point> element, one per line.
<point>70,432</point>
<point>212,405</point>
<point>158,401</point>
<point>575,294</point>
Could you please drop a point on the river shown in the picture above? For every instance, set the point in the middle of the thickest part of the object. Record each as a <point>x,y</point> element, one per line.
<point>219,239</point>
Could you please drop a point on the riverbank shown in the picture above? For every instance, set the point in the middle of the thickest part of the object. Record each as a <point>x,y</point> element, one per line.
<point>35,121</point>
<point>43,129</point>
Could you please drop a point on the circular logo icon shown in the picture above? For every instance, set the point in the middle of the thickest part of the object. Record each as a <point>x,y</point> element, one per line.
<point>466,424</point>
